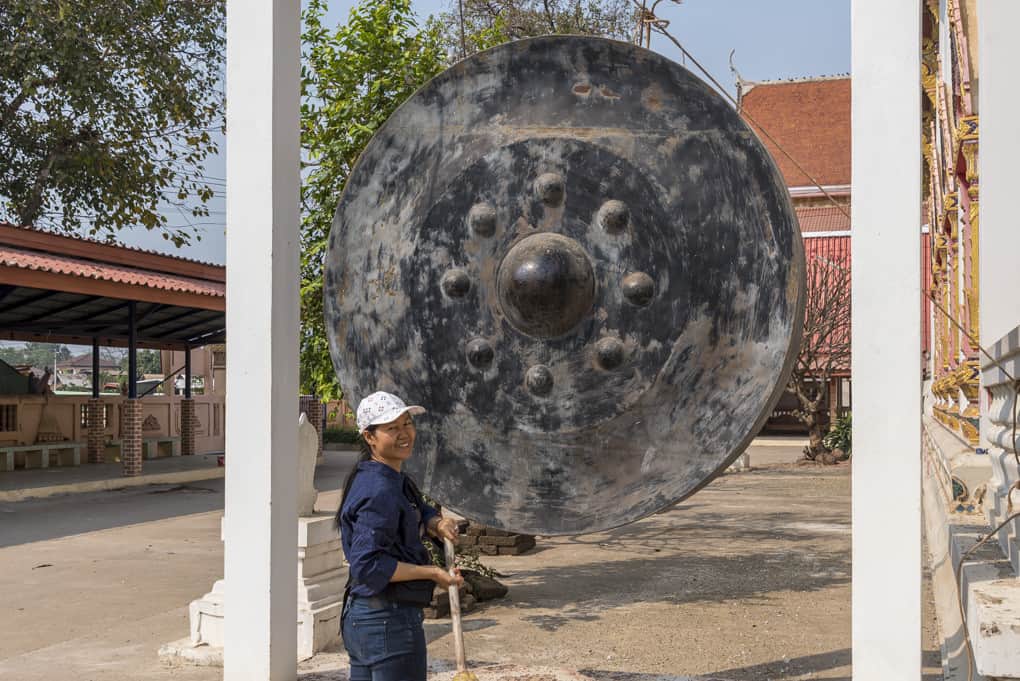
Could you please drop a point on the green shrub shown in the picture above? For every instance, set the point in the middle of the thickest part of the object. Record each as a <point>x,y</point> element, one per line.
<point>347,436</point>
<point>839,436</point>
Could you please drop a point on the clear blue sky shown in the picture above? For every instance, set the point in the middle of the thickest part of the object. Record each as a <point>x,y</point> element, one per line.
<point>774,39</point>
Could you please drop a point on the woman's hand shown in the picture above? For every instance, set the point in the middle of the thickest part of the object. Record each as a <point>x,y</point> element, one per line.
<point>444,528</point>
<point>447,579</point>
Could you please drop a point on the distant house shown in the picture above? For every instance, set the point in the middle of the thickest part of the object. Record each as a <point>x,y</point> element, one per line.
<point>77,371</point>
<point>82,365</point>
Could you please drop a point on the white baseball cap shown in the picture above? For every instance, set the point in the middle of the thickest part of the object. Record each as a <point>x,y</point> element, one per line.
<point>380,407</point>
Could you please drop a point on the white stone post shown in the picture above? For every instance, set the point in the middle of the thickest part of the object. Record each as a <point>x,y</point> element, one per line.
<point>260,573</point>
<point>999,232</point>
<point>998,104</point>
<point>886,327</point>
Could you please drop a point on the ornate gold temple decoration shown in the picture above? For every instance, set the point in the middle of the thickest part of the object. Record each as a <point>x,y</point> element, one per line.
<point>951,202</point>
<point>969,380</point>
<point>972,284</point>
<point>930,69</point>
<point>950,208</point>
<point>969,128</point>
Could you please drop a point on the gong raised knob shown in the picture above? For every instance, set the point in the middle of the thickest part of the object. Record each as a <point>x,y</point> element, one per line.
<point>545,285</point>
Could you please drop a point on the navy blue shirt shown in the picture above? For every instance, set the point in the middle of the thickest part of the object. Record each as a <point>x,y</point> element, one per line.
<point>382,523</point>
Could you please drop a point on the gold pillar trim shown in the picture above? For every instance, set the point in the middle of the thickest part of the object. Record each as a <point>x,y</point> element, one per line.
<point>968,128</point>
<point>930,69</point>
<point>951,202</point>
<point>973,285</point>
<point>968,430</point>
<point>970,155</point>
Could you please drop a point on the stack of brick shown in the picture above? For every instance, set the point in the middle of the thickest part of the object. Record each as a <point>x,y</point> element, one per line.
<point>493,542</point>
<point>440,605</point>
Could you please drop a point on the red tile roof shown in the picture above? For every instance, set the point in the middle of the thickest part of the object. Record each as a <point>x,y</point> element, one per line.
<point>4,226</point>
<point>32,254</point>
<point>823,219</point>
<point>810,119</point>
<point>78,267</point>
<point>84,361</point>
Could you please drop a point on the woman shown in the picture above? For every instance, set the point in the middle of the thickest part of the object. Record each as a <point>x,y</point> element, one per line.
<point>383,521</point>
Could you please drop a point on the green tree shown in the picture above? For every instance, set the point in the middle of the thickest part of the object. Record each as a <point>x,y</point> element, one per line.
<point>35,354</point>
<point>490,22</point>
<point>149,362</point>
<point>106,109</point>
<point>353,78</point>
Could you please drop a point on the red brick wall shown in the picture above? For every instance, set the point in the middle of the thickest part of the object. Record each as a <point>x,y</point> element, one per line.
<point>96,437</point>
<point>188,424</point>
<point>131,442</point>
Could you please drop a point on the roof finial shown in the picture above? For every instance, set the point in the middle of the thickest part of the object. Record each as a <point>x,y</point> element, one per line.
<point>738,80</point>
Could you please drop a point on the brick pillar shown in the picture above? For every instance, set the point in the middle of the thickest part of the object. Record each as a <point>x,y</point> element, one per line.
<point>311,406</point>
<point>96,436</point>
<point>131,437</point>
<point>188,423</point>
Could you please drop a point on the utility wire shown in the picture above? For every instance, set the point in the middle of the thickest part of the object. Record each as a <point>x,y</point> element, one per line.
<point>660,26</point>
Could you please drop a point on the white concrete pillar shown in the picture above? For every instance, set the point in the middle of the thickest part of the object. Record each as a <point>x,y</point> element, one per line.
<point>260,539</point>
<point>886,327</point>
<point>998,104</point>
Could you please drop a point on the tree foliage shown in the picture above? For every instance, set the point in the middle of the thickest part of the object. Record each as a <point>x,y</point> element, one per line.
<point>148,362</point>
<point>353,78</point>
<point>825,345</point>
<point>490,22</point>
<point>106,109</point>
<point>34,354</point>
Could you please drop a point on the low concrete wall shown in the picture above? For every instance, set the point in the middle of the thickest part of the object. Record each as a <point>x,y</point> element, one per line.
<point>63,416</point>
<point>966,494</point>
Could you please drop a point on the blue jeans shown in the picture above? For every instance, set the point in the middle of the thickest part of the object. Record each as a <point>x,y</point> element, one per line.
<point>385,641</point>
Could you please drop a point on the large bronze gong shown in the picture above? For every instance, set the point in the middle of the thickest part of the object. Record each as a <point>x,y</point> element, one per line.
<point>586,267</point>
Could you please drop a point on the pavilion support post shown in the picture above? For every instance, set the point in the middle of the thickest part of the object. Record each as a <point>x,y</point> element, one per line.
<point>94,417</point>
<point>131,416</point>
<point>187,410</point>
<point>886,328</point>
<point>263,175</point>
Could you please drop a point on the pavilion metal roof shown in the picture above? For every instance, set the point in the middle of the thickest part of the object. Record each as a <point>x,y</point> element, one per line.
<point>59,288</point>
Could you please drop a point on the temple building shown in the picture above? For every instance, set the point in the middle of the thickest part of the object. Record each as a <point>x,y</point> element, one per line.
<point>951,196</point>
<point>805,124</point>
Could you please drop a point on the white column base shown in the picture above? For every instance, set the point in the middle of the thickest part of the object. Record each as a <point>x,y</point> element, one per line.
<point>321,580</point>
<point>206,617</point>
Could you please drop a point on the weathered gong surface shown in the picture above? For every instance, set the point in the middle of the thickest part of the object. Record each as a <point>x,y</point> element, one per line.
<point>586,267</point>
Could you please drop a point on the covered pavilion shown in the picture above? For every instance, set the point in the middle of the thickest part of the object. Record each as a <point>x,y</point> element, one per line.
<point>61,289</point>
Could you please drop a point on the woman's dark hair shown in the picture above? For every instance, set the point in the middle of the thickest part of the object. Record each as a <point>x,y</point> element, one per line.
<point>366,454</point>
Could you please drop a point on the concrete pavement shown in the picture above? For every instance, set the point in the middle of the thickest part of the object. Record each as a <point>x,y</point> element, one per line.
<point>746,581</point>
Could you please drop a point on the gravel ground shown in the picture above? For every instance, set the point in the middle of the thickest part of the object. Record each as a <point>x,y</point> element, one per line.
<point>748,580</point>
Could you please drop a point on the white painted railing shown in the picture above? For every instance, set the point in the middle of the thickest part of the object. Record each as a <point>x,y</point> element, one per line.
<point>1003,435</point>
